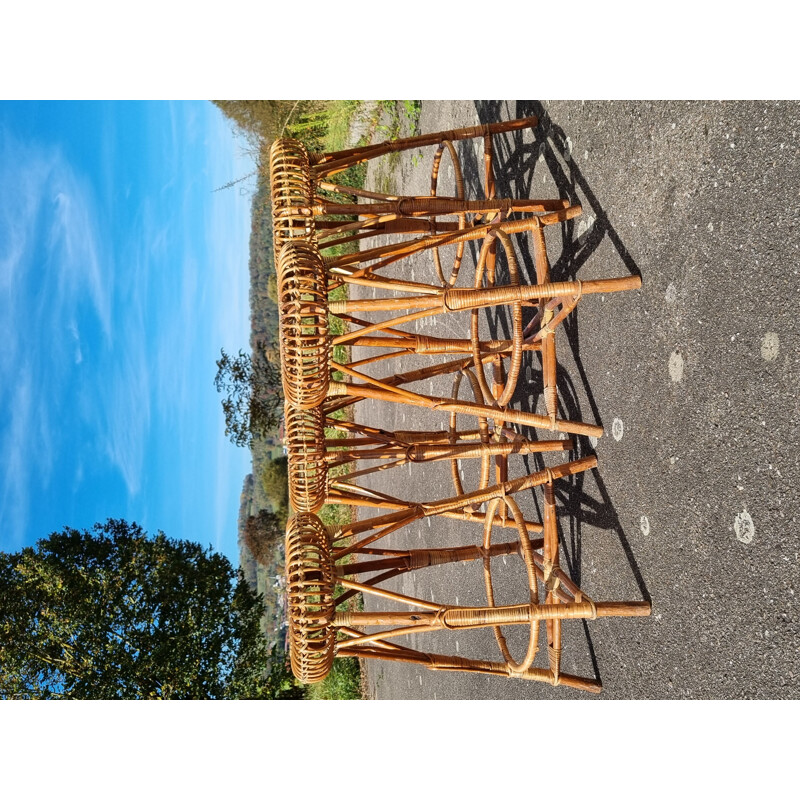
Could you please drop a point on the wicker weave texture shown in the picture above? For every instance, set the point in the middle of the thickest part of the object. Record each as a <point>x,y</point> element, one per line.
<point>291,191</point>
<point>308,472</point>
<point>309,587</point>
<point>304,340</point>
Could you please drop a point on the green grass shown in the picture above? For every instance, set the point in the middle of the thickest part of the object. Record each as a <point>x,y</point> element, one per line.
<point>341,115</point>
<point>343,682</point>
<point>398,112</point>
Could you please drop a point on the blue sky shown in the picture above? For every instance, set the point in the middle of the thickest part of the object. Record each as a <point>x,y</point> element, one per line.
<point>122,274</point>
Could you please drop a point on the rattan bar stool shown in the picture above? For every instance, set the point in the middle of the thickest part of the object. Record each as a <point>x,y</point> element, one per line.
<point>311,454</point>
<point>314,565</point>
<point>297,178</point>
<point>305,345</point>
<point>305,365</point>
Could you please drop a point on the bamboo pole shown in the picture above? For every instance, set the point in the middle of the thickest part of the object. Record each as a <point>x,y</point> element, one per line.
<point>392,395</point>
<point>327,164</point>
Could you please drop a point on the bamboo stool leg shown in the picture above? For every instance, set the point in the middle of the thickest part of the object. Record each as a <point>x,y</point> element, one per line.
<point>383,391</point>
<point>326,164</point>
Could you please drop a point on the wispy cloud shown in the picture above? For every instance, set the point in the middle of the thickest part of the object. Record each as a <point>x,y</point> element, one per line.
<point>73,244</point>
<point>228,235</point>
<point>126,409</point>
<point>15,468</point>
<point>109,328</point>
<point>73,329</point>
<point>51,273</point>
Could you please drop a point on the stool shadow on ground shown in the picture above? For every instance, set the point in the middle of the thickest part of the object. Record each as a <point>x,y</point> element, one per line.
<point>519,159</point>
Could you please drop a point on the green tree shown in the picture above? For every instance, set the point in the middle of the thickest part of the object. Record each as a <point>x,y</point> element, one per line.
<point>253,404</point>
<point>112,613</point>
<point>261,121</point>
<point>275,480</point>
<point>281,682</point>
<point>262,533</point>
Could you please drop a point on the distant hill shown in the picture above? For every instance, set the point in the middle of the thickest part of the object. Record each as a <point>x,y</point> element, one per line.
<point>264,342</point>
<point>246,561</point>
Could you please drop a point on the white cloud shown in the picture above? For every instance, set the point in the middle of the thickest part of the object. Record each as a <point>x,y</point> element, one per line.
<point>228,237</point>
<point>50,270</point>
<point>17,445</point>
<point>74,244</point>
<point>126,409</point>
<point>76,337</point>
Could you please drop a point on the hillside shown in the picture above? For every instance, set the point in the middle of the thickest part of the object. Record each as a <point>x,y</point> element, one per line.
<point>264,578</point>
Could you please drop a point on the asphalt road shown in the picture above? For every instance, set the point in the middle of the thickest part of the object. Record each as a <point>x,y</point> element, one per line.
<point>694,377</point>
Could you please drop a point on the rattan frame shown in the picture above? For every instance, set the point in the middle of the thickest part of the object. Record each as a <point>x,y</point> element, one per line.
<point>319,559</point>
<point>314,620</point>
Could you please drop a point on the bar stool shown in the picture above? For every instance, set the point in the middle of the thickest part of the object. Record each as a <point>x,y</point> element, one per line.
<point>311,454</point>
<point>318,560</point>
<point>318,632</point>
<point>305,345</point>
<point>297,178</point>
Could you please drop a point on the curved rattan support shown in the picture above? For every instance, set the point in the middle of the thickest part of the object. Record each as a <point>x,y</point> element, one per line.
<point>308,471</point>
<point>462,218</point>
<point>500,395</point>
<point>550,577</point>
<point>483,427</point>
<point>291,193</point>
<point>526,551</point>
<point>304,340</point>
<point>548,351</point>
<point>310,580</point>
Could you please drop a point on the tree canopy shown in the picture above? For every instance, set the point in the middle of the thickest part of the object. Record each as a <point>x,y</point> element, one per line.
<point>262,533</point>
<point>253,404</point>
<point>113,613</point>
<point>275,480</point>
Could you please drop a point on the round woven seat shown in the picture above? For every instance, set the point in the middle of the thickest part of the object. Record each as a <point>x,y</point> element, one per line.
<point>309,585</point>
<point>308,472</point>
<point>292,193</point>
<point>304,340</point>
